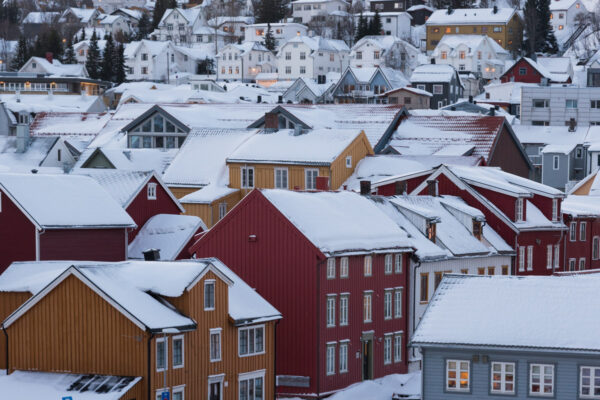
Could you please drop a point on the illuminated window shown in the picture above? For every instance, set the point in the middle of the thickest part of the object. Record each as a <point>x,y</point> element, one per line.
<point>503,377</point>
<point>457,375</point>
<point>541,379</point>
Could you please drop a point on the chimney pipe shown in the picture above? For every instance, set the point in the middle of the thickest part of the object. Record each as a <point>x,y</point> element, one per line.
<point>572,125</point>
<point>495,10</point>
<point>365,188</point>
<point>151,255</point>
<point>50,56</point>
<point>432,187</point>
<point>492,111</point>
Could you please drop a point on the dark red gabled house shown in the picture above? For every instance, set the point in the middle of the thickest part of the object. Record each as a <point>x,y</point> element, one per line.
<point>336,267</point>
<point>141,193</point>
<point>526,214</point>
<point>527,70</point>
<point>59,217</point>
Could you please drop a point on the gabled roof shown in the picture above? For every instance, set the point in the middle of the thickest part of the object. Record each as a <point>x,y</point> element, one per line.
<point>64,201</point>
<point>56,68</point>
<point>68,123</point>
<point>317,43</point>
<point>128,159</point>
<point>588,186</point>
<point>384,42</point>
<point>41,17</point>
<point>472,16</point>
<point>85,15</point>
<point>169,233</point>
<point>560,5</point>
<point>434,73</point>
<point>542,70</point>
<point>581,206</point>
<point>339,222</point>
<point>459,313</point>
<point>471,42</point>
<point>190,14</point>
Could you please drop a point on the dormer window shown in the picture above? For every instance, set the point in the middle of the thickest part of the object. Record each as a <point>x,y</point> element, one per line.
<point>477,229</point>
<point>430,231</point>
<point>519,210</point>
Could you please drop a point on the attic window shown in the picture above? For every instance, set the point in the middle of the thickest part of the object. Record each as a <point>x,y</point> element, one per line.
<point>477,229</point>
<point>349,162</point>
<point>431,230</point>
<point>151,190</point>
<point>519,210</point>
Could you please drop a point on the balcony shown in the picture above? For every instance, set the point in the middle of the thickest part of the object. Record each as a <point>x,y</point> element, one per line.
<point>362,93</point>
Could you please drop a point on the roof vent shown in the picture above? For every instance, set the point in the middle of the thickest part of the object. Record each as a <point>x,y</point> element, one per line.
<point>572,125</point>
<point>495,11</point>
<point>365,188</point>
<point>151,255</point>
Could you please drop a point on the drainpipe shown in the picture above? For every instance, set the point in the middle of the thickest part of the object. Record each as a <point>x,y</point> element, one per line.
<point>319,263</point>
<point>275,358</point>
<point>149,384</point>
<point>6,334</point>
<point>414,305</point>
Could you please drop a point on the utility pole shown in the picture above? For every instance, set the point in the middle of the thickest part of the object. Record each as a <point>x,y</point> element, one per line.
<point>168,68</point>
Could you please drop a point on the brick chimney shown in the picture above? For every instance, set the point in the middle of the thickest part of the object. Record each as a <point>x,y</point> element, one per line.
<point>271,121</point>
<point>49,56</point>
<point>323,183</point>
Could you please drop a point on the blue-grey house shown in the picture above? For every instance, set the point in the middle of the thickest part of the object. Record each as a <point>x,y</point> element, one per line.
<point>367,85</point>
<point>488,337</point>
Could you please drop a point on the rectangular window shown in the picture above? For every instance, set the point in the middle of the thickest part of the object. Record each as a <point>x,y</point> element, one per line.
<point>398,263</point>
<point>497,29</point>
<point>302,69</point>
<point>522,71</point>
<point>251,340</point>
<point>583,231</point>
<point>288,70</point>
<point>481,271</point>
<point>330,310</point>
<point>344,267</point>
<point>522,258</point>
<point>387,304</point>
<point>388,264</point>
<point>343,357</point>
<point>387,349</point>
<point>215,344</point>
<point>251,388</point>
<point>398,303</point>
<point>397,347</point>
<point>368,265</point>
<point>457,375</point>
<point>549,251</point>
<point>367,303</point>
<point>541,103</point>
<point>209,295</point>
<point>178,351</point>
<point>505,270</point>
<point>491,270</point>
<point>247,177</point>
<point>589,382</point>
<point>555,162</point>
<point>344,310</point>
<point>281,178</point>
<point>519,210</point>
<point>424,288</point>
<point>438,89</point>
<point>437,279</point>
<point>349,162</point>
<point>222,210</point>
<point>541,380</point>
<point>503,377</point>
<point>178,393</point>
<point>529,258</point>
<point>331,268</point>
<point>161,354</point>
<point>581,264</point>
<point>596,248</point>
<point>359,55</point>
<point>288,56</point>
<point>554,209</point>
<point>302,55</point>
<point>595,104</point>
<point>151,191</point>
<point>330,367</point>
<point>573,231</point>
<point>569,103</point>
<point>572,264</point>
<point>556,256</point>
<point>310,179</point>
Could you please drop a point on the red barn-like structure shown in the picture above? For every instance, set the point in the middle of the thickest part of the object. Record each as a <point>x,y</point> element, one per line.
<point>336,267</point>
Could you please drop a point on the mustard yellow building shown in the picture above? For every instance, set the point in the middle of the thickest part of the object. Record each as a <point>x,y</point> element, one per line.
<point>504,25</point>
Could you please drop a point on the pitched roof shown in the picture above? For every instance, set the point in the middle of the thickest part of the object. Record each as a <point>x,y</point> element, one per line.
<point>472,42</point>
<point>64,201</point>
<point>581,206</point>
<point>434,73</point>
<point>459,313</point>
<point>339,222</point>
<point>56,68</point>
<point>68,123</point>
<point>318,43</point>
<point>471,16</point>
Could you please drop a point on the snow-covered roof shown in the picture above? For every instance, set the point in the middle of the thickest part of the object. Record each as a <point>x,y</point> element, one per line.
<point>131,13</point>
<point>40,17</point>
<point>56,68</point>
<point>85,15</point>
<point>588,186</point>
<point>35,103</point>
<point>317,43</point>
<point>109,19</point>
<point>339,222</point>
<point>30,385</point>
<point>63,201</point>
<point>131,159</point>
<point>471,16</point>
<point>563,5</point>
<point>68,124</point>
<point>190,14</point>
<point>168,233</point>
<point>581,206</point>
<point>509,92</point>
<point>472,42</point>
<point>384,42</point>
<point>420,7</point>
<point>433,73</point>
<point>411,90</point>
<point>244,47</point>
<point>459,313</point>
<point>315,147</point>
<point>208,194</point>
<point>539,67</point>
<point>364,75</point>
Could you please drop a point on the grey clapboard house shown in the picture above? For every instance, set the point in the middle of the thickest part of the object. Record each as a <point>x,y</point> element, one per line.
<point>488,337</point>
<point>441,80</point>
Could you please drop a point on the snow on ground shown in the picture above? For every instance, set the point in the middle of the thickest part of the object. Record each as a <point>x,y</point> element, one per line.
<point>408,385</point>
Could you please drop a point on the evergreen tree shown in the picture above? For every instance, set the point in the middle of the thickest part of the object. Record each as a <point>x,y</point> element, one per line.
<point>69,56</point>
<point>107,68</point>
<point>82,35</point>
<point>22,55</point>
<point>171,4</point>
<point>144,27</point>
<point>92,63</point>
<point>269,41</point>
<point>375,25</point>
<point>38,49</point>
<point>546,33</point>
<point>270,10</point>
<point>362,29</point>
<point>119,63</point>
<point>538,35</point>
<point>159,10</point>
<point>53,44</point>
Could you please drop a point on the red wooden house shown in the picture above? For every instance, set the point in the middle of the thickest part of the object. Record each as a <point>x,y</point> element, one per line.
<point>59,217</point>
<point>526,214</point>
<point>527,70</point>
<point>336,267</point>
<point>141,193</point>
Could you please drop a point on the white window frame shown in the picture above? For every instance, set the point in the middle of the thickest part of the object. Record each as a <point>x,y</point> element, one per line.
<point>549,253</point>
<point>282,172</point>
<point>556,256</point>
<point>368,267</point>
<point>572,264</point>
<point>210,282</point>
<point>178,390</point>
<point>344,268</point>
<point>173,340</point>
<point>217,332</point>
<point>222,210</point>
<point>387,348</point>
<point>519,210</point>
<point>388,264</point>
<point>254,328</point>
<point>583,231</point>
<point>331,268</point>
<point>151,191</point>
<point>164,340</point>
<point>307,172</point>
<point>398,263</point>
<point>458,369</point>
<point>398,347</point>
<point>438,89</point>
<point>330,310</point>
<point>250,376</point>
<point>368,306</point>
<point>344,304</point>
<point>343,356</point>
<point>348,161</point>
<point>330,359</point>
<point>388,301</point>
<point>581,264</point>
<point>542,375</point>
<point>522,258</point>
<point>529,258</point>
<point>503,374</point>
<point>595,247</point>
<point>573,231</point>
<point>398,302</point>
<point>592,386</point>
<point>555,163</point>
<point>554,209</point>
<point>245,178</point>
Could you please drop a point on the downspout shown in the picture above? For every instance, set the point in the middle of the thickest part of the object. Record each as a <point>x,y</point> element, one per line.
<point>150,397</point>
<point>275,359</point>
<point>6,334</point>
<point>414,302</point>
<point>319,262</point>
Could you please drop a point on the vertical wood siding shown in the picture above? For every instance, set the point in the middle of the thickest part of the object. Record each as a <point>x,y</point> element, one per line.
<point>209,213</point>
<point>506,154</point>
<point>264,175</point>
<point>83,244</point>
<point>179,192</point>
<point>358,149</point>
<point>17,234</point>
<point>9,302</point>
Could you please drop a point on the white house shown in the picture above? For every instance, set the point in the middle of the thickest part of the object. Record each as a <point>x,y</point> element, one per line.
<point>81,49</point>
<point>232,27</point>
<point>282,32</point>
<point>309,57</point>
<point>39,65</point>
<point>83,16</point>
<point>562,17</point>
<point>384,51</point>
<point>148,60</point>
<point>305,11</point>
<point>392,23</point>
<point>244,61</point>
<point>477,54</point>
<point>111,5</point>
<point>177,24</point>
<point>112,24</point>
